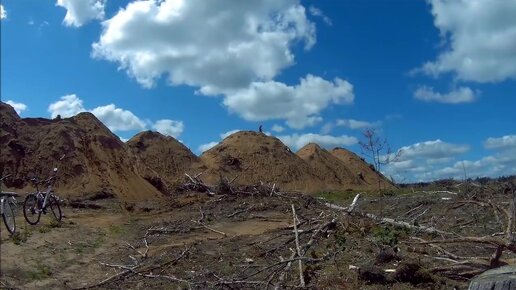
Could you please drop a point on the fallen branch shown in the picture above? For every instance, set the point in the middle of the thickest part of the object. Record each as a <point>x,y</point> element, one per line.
<point>211,229</point>
<point>301,278</point>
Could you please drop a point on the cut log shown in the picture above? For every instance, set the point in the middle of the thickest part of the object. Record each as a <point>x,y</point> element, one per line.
<point>503,278</point>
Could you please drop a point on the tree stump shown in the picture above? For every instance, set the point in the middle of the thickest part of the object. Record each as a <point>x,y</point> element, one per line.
<point>503,278</point>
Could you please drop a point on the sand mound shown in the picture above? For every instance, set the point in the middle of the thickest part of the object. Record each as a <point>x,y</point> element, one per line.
<point>329,169</point>
<point>368,176</point>
<point>96,161</point>
<point>255,157</point>
<point>165,155</point>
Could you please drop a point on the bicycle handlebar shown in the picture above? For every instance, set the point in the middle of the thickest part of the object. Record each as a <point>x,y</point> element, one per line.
<point>36,180</point>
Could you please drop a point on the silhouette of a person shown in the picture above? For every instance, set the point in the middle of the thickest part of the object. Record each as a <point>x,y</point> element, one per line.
<point>260,129</point>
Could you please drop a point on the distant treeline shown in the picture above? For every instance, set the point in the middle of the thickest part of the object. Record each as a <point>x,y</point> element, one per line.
<point>446,182</point>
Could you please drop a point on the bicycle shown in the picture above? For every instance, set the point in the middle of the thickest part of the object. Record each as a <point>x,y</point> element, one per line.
<point>7,203</point>
<point>38,202</point>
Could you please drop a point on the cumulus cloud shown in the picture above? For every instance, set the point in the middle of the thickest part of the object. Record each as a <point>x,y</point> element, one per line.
<point>297,141</point>
<point>228,133</point>
<point>67,106</point>
<point>420,161</point>
<point>228,49</point>
<point>480,37</point>
<point>116,119</point>
<point>18,107</point>
<point>169,127</point>
<point>3,13</point>
<point>503,163</point>
<point>208,146</point>
<point>505,142</point>
<point>431,160</point>
<point>456,96</point>
<point>277,128</point>
<point>216,45</point>
<point>349,123</point>
<point>299,104</point>
<point>79,12</point>
<point>435,149</point>
<point>318,13</point>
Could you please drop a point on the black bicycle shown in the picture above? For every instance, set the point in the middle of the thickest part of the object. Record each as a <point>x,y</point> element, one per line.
<point>41,201</point>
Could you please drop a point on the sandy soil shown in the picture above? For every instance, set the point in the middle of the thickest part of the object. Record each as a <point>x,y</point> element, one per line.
<point>239,235</point>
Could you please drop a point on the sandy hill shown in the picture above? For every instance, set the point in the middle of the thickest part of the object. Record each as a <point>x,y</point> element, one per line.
<point>96,161</point>
<point>255,157</point>
<point>164,154</point>
<point>330,169</point>
<point>358,167</point>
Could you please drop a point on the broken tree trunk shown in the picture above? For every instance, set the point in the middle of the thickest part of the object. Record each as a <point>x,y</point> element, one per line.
<point>352,210</point>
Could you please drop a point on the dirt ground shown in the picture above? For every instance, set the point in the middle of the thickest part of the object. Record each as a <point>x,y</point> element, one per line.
<point>241,242</point>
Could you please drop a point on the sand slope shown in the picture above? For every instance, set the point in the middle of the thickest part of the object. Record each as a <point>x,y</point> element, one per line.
<point>96,161</point>
<point>163,154</point>
<point>368,177</point>
<point>256,157</point>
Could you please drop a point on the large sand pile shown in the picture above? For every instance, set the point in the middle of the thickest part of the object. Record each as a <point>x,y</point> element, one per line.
<point>255,157</point>
<point>96,161</point>
<point>163,154</point>
<point>331,170</point>
<point>368,176</point>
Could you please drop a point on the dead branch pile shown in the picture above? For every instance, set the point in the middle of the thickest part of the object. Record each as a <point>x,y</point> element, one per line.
<point>227,187</point>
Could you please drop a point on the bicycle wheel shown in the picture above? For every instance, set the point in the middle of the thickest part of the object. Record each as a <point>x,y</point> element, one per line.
<point>8,217</point>
<point>54,206</point>
<point>31,210</point>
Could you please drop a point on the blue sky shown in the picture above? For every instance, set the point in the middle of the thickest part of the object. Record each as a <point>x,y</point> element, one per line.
<point>436,78</point>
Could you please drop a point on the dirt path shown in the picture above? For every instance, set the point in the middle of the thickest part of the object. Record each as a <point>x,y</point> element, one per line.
<point>65,255</point>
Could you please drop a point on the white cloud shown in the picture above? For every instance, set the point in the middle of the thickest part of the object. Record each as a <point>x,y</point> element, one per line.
<point>223,48</point>
<point>356,124</point>
<point>79,12</point>
<point>349,123</point>
<point>423,160</point>
<point>207,146</point>
<point>505,142</point>
<point>456,96</point>
<point>228,133</point>
<point>277,128</point>
<point>216,45</point>
<point>169,127</point>
<point>431,160</point>
<point>3,12</point>
<point>299,104</point>
<point>435,149</point>
<point>117,119</point>
<point>318,13</point>
<point>297,141</point>
<point>503,163</point>
<point>481,38</point>
<point>67,106</point>
<point>18,107</point>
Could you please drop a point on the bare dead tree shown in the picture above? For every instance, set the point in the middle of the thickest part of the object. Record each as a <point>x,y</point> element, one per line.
<point>379,152</point>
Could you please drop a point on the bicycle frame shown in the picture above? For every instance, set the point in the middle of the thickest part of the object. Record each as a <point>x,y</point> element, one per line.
<point>47,193</point>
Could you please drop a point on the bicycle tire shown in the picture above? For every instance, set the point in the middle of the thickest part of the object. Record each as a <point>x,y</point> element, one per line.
<point>56,209</point>
<point>31,209</point>
<point>8,217</point>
